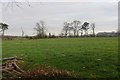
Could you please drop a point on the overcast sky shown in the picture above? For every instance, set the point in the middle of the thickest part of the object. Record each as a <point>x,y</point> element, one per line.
<point>104,14</point>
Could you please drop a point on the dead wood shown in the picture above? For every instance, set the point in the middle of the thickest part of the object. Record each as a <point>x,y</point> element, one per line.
<point>11,58</point>
<point>10,66</point>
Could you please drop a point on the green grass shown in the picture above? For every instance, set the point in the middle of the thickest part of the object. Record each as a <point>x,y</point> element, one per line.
<point>84,56</point>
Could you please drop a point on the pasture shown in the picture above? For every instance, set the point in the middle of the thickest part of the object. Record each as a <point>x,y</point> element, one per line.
<point>87,57</point>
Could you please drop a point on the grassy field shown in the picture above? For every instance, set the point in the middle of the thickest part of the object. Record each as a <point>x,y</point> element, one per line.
<point>87,57</point>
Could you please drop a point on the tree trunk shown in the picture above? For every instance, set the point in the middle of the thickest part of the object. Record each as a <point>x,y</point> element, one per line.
<point>77,33</point>
<point>81,34</point>
<point>66,33</point>
<point>93,32</point>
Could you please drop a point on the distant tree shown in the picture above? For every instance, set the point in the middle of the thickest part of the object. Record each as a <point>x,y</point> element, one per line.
<point>77,28</point>
<point>61,34</point>
<point>50,35</point>
<point>76,25</point>
<point>22,32</point>
<point>85,27</point>
<point>26,36</point>
<point>40,29</point>
<point>118,32</point>
<point>93,28</point>
<point>53,36</point>
<point>66,28</point>
<point>3,27</point>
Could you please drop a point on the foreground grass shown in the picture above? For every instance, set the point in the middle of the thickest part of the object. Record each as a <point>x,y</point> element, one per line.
<point>88,57</point>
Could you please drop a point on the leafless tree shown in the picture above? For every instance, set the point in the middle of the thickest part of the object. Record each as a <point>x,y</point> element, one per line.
<point>13,3</point>
<point>40,29</point>
<point>76,25</point>
<point>66,28</point>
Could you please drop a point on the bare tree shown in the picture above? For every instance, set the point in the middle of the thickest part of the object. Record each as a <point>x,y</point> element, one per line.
<point>40,29</point>
<point>76,25</point>
<point>3,27</point>
<point>66,28</point>
<point>22,32</point>
<point>93,28</point>
<point>12,3</point>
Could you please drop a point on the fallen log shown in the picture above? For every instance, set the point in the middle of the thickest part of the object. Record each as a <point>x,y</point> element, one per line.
<point>10,66</point>
<point>11,58</point>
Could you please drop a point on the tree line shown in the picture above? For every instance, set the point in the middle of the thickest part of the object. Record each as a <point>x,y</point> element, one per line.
<point>75,28</point>
<point>70,29</point>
